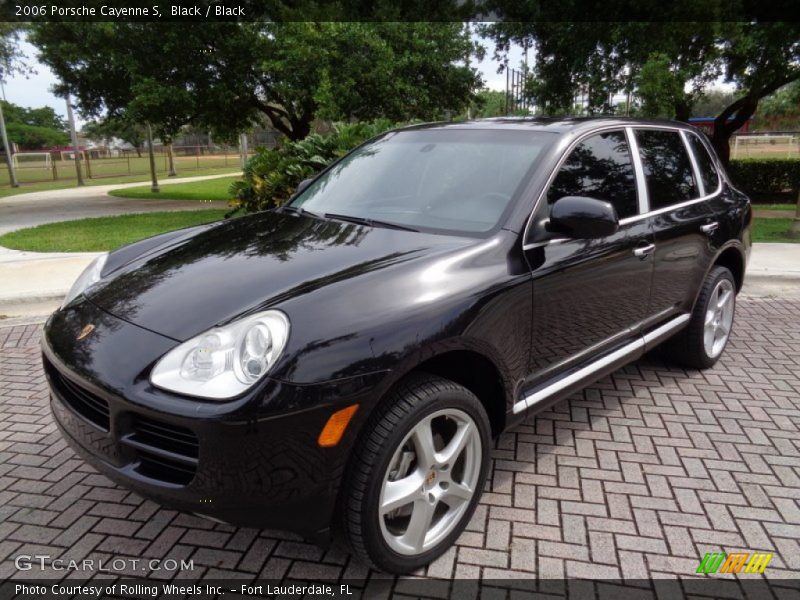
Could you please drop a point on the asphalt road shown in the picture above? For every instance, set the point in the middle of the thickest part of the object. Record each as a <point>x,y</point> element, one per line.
<point>50,206</point>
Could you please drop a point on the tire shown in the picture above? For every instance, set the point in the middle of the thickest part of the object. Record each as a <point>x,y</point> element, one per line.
<point>389,451</point>
<point>690,348</point>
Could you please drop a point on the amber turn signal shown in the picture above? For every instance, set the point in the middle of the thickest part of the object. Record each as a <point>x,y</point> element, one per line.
<point>334,428</point>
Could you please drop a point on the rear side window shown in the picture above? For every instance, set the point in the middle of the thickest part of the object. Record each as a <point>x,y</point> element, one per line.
<point>705,164</point>
<point>667,168</point>
<point>599,167</point>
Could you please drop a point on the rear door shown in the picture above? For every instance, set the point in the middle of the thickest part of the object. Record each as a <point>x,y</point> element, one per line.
<point>679,215</point>
<point>589,295</point>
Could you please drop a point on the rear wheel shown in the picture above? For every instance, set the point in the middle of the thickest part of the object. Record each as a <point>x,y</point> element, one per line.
<point>701,344</point>
<point>417,474</point>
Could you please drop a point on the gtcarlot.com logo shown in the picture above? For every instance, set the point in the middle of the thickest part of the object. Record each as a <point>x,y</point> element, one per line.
<point>719,562</point>
<point>43,562</point>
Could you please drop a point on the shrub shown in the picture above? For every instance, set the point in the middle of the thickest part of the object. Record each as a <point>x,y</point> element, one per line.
<point>766,176</point>
<point>272,175</point>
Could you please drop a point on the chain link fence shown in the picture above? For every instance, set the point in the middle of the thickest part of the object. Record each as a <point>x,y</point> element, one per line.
<point>99,164</point>
<point>767,144</point>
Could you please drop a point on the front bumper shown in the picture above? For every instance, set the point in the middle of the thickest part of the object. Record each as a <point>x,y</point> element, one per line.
<point>253,461</point>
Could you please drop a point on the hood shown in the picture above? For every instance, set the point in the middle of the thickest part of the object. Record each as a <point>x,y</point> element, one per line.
<point>191,283</point>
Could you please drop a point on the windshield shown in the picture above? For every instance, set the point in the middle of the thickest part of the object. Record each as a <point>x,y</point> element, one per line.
<point>450,180</point>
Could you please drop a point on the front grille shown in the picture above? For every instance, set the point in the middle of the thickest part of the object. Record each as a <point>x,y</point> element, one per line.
<point>164,469</point>
<point>86,404</point>
<point>156,449</point>
<point>172,438</point>
<point>164,451</point>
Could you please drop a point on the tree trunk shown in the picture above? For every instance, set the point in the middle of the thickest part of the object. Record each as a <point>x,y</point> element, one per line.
<point>728,122</point>
<point>294,127</point>
<point>682,112</point>
<point>171,159</point>
<point>301,128</point>
<point>153,177</point>
<point>722,144</point>
<point>794,230</point>
<point>736,114</point>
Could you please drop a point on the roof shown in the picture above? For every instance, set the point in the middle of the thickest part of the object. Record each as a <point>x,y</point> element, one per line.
<point>551,124</point>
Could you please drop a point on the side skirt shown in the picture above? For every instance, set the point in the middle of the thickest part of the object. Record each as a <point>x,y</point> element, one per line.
<point>582,376</point>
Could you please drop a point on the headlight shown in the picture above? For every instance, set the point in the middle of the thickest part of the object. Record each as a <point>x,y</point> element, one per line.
<point>89,277</point>
<point>225,361</point>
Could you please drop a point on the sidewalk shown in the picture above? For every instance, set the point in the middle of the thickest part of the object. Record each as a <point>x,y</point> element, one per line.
<point>774,261</point>
<point>38,276</point>
<point>774,214</point>
<point>32,278</point>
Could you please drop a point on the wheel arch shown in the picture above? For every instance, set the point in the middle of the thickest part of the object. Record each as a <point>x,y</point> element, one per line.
<point>732,257</point>
<point>478,374</point>
<point>468,364</point>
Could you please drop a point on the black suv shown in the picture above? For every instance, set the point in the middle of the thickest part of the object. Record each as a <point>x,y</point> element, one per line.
<point>346,359</point>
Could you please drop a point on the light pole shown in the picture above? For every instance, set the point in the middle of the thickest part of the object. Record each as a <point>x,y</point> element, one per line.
<point>74,136</point>
<point>12,176</point>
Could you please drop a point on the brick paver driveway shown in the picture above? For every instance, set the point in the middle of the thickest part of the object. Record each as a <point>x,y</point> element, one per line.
<point>638,476</point>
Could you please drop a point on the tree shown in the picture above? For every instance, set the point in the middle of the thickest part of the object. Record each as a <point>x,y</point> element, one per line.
<point>489,103</point>
<point>712,102</point>
<point>128,81</point>
<point>123,128</point>
<point>658,86</point>
<point>780,111</point>
<point>224,75</point>
<point>759,59</point>
<point>671,62</point>
<point>12,60</point>
<point>34,128</point>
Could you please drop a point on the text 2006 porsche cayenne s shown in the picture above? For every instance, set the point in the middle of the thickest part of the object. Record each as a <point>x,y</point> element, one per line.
<point>342,363</point>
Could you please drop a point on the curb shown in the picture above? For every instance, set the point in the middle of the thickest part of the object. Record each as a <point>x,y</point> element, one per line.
<point>33,298</point>
<point>784,277</point>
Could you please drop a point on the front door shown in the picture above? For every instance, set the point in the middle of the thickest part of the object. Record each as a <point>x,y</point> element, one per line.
<point>589,295</point>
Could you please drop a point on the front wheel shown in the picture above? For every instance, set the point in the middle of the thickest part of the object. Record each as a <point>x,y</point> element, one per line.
<point>416,475</point>
<point>701,344</point>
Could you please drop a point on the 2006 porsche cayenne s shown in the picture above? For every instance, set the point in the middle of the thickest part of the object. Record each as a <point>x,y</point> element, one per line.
<point>342,363</point>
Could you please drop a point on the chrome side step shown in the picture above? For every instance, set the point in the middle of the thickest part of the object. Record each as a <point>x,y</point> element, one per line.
<point>659,334</point>
<point>645,342</point>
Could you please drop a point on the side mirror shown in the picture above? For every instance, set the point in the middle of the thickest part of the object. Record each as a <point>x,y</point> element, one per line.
<point>582,217</point>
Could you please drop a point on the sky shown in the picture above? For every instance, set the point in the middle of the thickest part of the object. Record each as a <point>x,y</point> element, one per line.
<point>34,90</point>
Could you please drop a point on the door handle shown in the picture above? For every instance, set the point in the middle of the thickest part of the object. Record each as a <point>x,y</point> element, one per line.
<point>644,251</point>
<point>709,227</point>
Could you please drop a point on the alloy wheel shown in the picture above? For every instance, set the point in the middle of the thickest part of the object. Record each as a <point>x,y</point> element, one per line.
<point>430,481</point>
<point>719,318</point>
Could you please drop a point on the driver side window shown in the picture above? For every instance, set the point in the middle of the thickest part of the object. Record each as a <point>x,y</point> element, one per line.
<point>599,167</point>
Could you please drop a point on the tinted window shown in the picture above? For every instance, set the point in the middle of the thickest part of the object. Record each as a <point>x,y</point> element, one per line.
<point>705,164</point>
<point>449,180</point>
<point>599,167</point>
<point>667,168</point>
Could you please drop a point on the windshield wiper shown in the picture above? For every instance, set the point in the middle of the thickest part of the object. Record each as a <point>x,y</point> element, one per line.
<point>369,222</point>
<point>298,210</point>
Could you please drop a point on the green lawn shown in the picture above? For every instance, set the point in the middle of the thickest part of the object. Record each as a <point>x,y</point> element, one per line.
<point>104,233</point>
<point>764,230</point>
<point>6,190</point>
<point>210,189</point>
